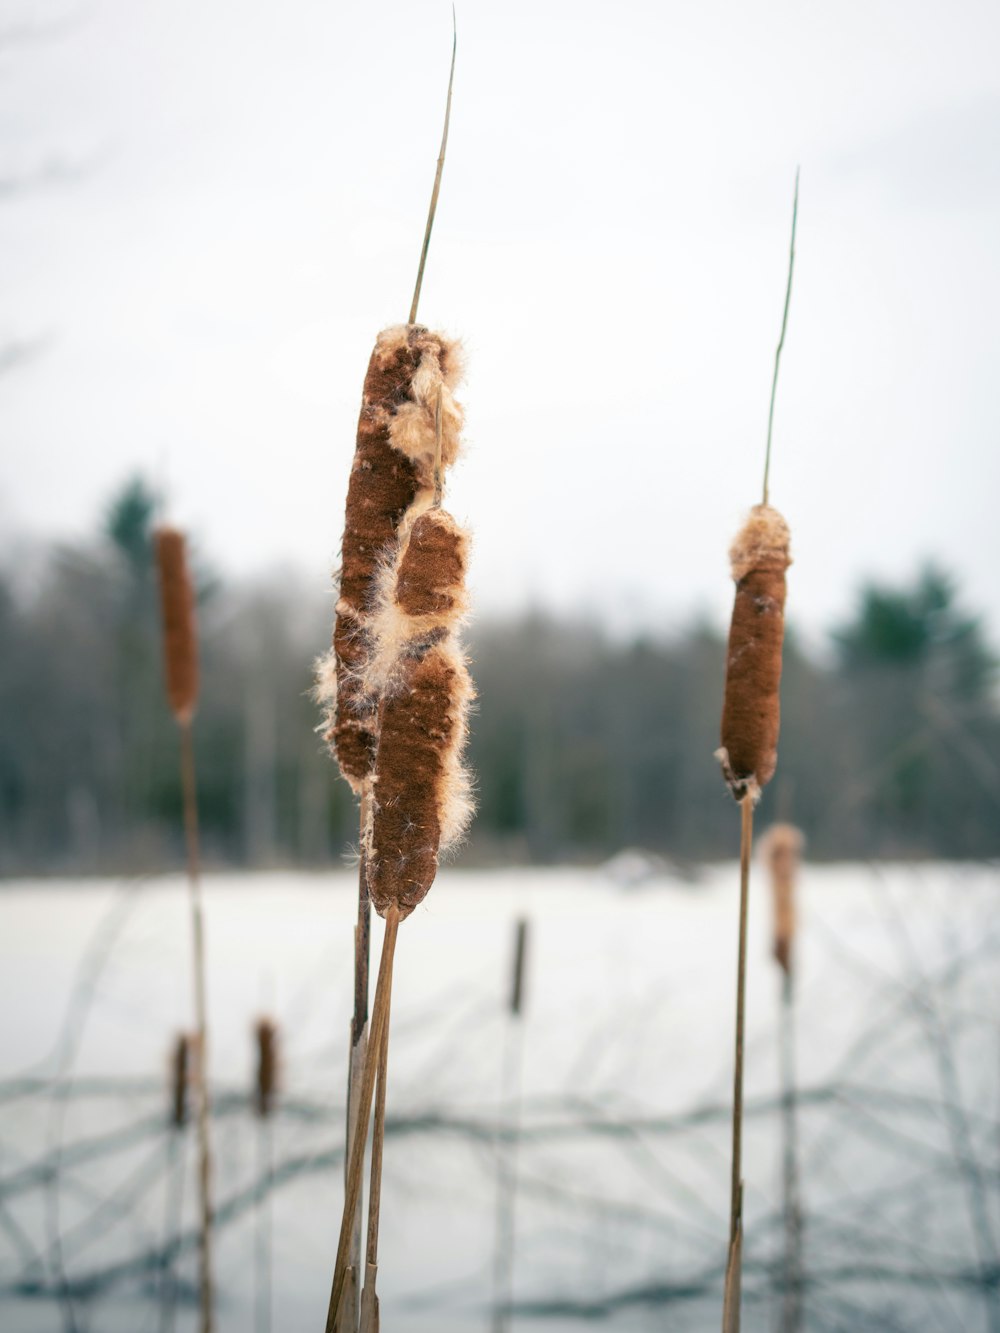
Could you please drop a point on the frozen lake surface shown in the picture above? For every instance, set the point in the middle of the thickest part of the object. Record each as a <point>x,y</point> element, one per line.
<point>619,1132</point>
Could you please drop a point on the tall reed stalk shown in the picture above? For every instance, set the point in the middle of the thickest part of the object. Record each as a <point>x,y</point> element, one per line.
<point>265,1096</point>
<point>781,849</point>
<point>350,1311</point>
<point>180,1076</point>
<point>407,435</point>
<point>180,641</point>
<point>503,1245</point>
<point>749,750</point>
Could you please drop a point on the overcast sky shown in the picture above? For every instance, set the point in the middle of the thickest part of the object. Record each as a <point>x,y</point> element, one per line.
<point>208,209</point>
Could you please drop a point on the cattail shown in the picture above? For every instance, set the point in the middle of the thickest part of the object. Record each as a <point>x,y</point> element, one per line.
<point>266,1037</point>
<point>179,1079</point>
<point>400,449</point>
<point>750,713</point>
<point>385,649</point>
<point>415,684</point>
<point>749,751</point>
<point>517,973</point>
<point>181,656</point>
<point>421,792</point>
<point>180,639</point>
<point>781,850</point>
<point>506,1146</point>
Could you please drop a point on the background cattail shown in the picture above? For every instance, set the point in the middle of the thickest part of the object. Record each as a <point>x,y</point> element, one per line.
<point>179,1078</point>
<point>180,639</point>
<point>781,851</point>
<point>517,972</point>
<point>751,711</point>
<point>266,1041</point>
<point>180,642</point>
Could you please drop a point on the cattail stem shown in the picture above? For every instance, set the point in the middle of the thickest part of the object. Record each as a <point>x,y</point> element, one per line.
<point>262,1239</point>
<point>173,1213</point>
<point>791,1305</point>
<point>731,1305</point>
<point>190,797</point>
<point>503,1259</point>
<point>266,1034</point>
<point>348,1314</point>
<point>437,176</point>
<point>362,933</point>
<point>369,1299</point>
<point>781,340</point>
<point>379,1022</point>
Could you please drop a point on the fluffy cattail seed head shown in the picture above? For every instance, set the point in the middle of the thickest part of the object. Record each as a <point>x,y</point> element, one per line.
<point>408,431</point>
<point>781,851</point>
<point>430,581</point>
<point>751,710</point>
<point>421,799</point>
<point>266,1040</point>
<point>180,636</point>
<point>180,1074</point>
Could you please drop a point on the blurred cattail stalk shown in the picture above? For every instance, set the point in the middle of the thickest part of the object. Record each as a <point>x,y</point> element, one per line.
<point>503,1259</point>
<point>179,1081</point>
<point>179,1076</point>
<point>266,1083</point>
<point>749,751</point>
<point>180,643</point>
<point>781,851</point>
<point>265,1095</point>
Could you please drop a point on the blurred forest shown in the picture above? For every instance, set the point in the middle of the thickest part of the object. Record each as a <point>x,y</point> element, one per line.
<point>582,745</point>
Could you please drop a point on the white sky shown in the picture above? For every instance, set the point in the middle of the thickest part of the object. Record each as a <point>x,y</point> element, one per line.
<point>611,244</point>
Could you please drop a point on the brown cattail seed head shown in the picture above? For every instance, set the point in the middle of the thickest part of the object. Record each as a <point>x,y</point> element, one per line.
<point>266,1037</point>
<point>180,637</point>
<point>781,850</point>
<point>411,371</point>
<point>421,599</point>
<point>421,792</point>
<point>431,576</point>
<point>180,1074</point>
<point>751,711</point>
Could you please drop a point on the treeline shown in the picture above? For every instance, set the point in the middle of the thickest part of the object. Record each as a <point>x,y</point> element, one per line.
<point>582,745</point>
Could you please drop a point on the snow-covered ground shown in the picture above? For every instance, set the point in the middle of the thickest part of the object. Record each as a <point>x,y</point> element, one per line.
<point>625,1059</point>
